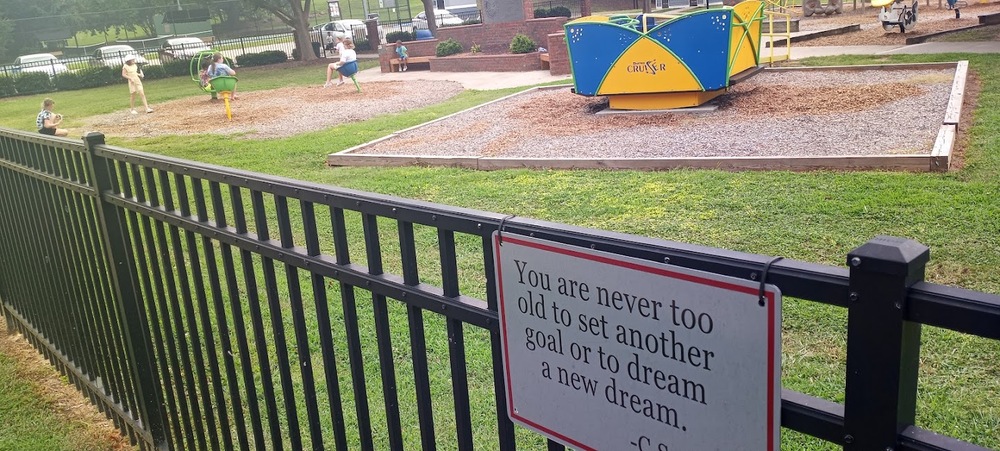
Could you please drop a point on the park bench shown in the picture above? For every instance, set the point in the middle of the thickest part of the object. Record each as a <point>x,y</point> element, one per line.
<point>394,62</point>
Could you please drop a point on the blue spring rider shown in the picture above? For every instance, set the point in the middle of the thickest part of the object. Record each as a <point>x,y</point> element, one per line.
<point>218,85</point>
<point>350,70</point>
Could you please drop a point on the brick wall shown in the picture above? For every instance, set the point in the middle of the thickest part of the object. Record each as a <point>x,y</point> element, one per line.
<point>487,63</point>
<point>496,37</point>
<point>558,54</point>
<point>414,48</point>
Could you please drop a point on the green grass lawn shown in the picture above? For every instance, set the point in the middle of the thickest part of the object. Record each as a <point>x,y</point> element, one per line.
<point>33,419</point>
<point>813,216</point>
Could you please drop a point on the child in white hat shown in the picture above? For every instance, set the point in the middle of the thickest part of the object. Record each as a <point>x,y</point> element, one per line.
<point>134,75</point>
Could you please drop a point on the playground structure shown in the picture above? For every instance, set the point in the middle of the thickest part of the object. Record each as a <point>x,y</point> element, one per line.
<point>684,60</point>
<point>897,13</point>
<point>224,85</point>
<point>810,7</point>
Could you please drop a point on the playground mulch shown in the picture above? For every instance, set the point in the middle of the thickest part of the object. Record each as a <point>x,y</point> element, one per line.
<point>776,113</point>
<point>276,113</point>
<point>930,19</point>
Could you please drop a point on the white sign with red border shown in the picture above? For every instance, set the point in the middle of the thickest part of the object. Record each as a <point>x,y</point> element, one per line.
<point>606,352</point>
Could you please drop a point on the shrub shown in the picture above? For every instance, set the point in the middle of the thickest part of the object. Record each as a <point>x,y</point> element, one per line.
<point>362,44</point>
<point>541,12</point>
<point>560,11</point>
<point>263,58</point>
<point>399,36</point>
<point>90,77</point>
<point>33,83</point>
<point>7,86</point>
<point>449,47</point>
<point>154,72</point>
<point>177,68</point>
<point>475,48</point>
<point>522,44</point>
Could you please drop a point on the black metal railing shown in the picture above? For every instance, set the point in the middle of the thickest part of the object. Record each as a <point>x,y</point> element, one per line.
<point>194,305</point>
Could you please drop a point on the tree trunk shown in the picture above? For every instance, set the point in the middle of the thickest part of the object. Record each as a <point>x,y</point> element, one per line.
<point>300,29</point>
<point>303,41</point>
<point>429,6</point>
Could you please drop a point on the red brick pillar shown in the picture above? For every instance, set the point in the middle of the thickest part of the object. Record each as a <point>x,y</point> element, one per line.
<point>585,8</point>
<point>529,9</point>
<point>558,54</point>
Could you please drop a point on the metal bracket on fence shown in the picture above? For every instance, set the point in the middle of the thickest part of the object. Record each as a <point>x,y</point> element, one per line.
<point>763,279</point>
<point>500,228</point>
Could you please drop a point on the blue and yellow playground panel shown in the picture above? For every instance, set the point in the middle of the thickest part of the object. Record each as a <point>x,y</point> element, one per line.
<point>685,60</point>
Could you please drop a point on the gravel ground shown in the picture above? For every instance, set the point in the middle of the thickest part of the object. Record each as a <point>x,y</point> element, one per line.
<point>931,19</point>
<point>772,114</point>
<point>276,113</point>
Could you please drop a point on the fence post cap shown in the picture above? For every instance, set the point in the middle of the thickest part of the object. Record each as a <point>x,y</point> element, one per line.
<point>889,255</point>
<point>94,138</point>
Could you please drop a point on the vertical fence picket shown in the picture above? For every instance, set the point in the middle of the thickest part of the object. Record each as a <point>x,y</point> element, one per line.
<point>456,342</point>
<point>278,332</point>
<point>257,320</point>
<point>343,257</point>
<point>505,427</point>
<point>201,401</point>
<point>219,412</point>
<point>373,250</point>
<point>169,366</point>
<point>235,303</point>
<point>181,363</point>
<point>324,325</point>
<point>219,212</point>
<point>301,339</point>
<point>418,342</point>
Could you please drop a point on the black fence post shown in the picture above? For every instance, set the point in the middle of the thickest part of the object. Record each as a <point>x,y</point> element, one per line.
<point>883,350</point>
<point>125,281</point>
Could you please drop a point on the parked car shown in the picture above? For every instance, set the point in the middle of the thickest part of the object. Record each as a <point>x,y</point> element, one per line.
<point>182,48</point>
<point>329,32</point>
<point>442,17</point>
<point>114,55</point>
<point>39,63</point>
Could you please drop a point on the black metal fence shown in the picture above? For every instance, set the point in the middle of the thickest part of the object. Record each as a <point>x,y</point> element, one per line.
<point>194,305</point>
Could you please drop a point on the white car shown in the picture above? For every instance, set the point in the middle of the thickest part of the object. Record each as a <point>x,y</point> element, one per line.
<point>182,48</point>
<point>114,55</point>
<point>442,18</point>
<point>329,32</point>
<point>46,63</point>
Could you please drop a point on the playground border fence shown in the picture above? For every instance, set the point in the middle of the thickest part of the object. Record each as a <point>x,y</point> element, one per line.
<point>105,254</point>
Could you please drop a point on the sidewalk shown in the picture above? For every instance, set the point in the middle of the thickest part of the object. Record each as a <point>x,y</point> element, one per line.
<point>501,80</point>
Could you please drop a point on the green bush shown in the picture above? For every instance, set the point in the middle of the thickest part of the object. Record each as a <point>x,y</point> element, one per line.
<point>449,47</point>
<point>33,83</point>
<point>394,36</point>
<point>7,86</point>
<point>155,72</point>
<point>362,45</point>
<point>560,11</point>
<point>176,68</point>
<point>263,58</point>
<point>522,44</point>
<point>90,77</point>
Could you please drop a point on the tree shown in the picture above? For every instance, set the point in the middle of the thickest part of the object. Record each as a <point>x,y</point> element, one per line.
<point>429,6</point>
<point>295,14</point>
